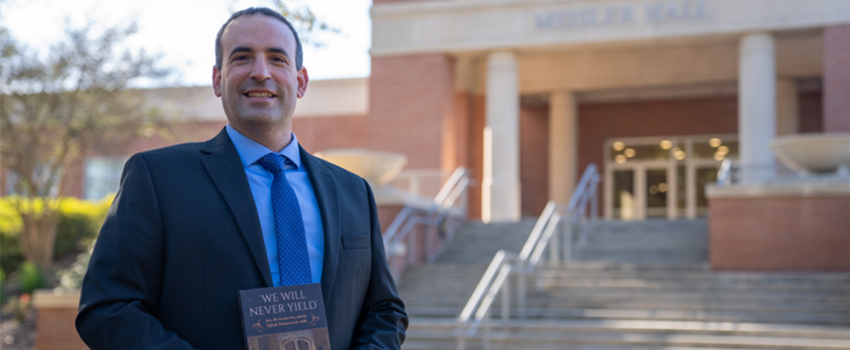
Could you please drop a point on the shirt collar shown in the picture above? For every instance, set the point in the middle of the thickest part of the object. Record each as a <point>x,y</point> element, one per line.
<point>250,151</point>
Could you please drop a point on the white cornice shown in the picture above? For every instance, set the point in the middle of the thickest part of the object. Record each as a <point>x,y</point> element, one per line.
<point>461,26</point>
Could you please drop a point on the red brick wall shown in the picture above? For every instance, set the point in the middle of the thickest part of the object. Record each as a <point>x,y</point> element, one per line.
<point>314,134</point>
<point>801,234</point>
<point>598,122</point>
<point>191,131</point>
<point>71,183</point>
<point>534,156</point>
<point>73,176</point>
<point>836,78</point>
<point>386,215</point>
<point>456,129</point>
<point>320,133</point>
<point>410,100</point>
<point>534,159</point>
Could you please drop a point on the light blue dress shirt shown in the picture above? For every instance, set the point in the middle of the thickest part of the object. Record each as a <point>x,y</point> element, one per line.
<point>260,181</point>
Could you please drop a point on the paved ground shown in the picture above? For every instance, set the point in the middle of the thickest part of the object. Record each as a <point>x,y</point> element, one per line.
<point>17,335</point>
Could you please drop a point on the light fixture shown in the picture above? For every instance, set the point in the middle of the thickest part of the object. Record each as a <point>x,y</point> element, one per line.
<point>653,189</point>
<point>629,152</point>
<point>719,156</point>
<point>714,142</point>
<point>620,159</point>
<point>618,146</point>
<point>662,187</point>
<point>665,144</point>
<point>723,150</point>
<point>679,154</point>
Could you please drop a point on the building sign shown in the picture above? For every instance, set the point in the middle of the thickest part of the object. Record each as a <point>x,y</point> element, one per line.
<point>651,12</point>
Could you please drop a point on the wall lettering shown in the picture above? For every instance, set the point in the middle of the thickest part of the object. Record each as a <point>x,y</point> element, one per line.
<point>652,12</point>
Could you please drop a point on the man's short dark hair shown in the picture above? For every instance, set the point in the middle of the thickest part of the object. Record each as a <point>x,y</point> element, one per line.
<point>257,11</point>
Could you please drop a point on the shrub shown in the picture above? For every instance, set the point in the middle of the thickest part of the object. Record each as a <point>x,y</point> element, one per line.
<point>31,278</point>
<point>10,227</point>
<point>2,287</point>
<point>77,226</point>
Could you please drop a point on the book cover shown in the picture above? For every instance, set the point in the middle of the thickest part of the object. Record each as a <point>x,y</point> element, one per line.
<point>284,318</point>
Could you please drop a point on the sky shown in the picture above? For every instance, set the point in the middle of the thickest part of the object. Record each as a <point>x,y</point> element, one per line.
<point>184,30</point>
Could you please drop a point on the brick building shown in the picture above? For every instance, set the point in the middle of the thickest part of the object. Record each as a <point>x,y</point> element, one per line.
<point>527,93</point>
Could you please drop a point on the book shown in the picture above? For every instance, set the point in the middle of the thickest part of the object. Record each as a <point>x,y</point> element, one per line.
<point>284,318</point>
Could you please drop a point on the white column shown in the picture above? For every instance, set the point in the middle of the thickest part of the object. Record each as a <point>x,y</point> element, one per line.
<point>563,145</point>
<point>500,183</point>
<point>757,106</point>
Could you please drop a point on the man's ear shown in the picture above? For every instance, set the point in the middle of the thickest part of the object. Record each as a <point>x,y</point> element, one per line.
<point>303,79</point>
<point>216,81</point>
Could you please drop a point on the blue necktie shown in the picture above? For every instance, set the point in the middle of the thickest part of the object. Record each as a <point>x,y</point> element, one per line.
<point>292,257</point>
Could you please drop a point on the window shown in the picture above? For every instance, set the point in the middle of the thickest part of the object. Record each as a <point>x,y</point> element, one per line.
<point>102,176</point>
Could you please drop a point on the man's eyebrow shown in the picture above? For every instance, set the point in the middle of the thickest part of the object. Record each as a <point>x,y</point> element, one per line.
<point>278,50</point>
<point>239,49</point>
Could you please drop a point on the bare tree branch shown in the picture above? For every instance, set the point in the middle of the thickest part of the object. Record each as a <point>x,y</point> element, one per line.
<point>55,109</point>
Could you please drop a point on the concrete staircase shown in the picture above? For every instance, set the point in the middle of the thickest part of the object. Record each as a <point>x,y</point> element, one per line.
<point>634,286</point>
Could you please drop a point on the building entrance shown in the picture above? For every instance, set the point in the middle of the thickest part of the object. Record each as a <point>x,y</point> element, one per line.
<point>662,177</point>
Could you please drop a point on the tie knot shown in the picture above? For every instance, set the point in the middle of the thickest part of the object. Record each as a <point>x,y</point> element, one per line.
<point>272,162</point>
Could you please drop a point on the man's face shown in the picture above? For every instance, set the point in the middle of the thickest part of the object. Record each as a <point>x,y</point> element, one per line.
<point>258,82</point>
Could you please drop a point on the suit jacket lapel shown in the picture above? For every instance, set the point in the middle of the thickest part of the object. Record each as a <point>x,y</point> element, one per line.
<point>226,171</point>
<point>325,188</point>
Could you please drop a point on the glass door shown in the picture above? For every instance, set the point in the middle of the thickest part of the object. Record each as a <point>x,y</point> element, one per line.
<point>656,177</point>
<point>624,194</point>
<point>657,189</point>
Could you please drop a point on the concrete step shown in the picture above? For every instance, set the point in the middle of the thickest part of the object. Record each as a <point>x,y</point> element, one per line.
<point>697,226</point>
<point>645,241</point>
<point>630,334</point>
<point>476,243</point>
<point>686,327</point>
<point>790,317</point>
<point>533,340</point>
<point>637,287</point>
<point>643,286</point>
<point>840,302</point>
<point>686,302</point>
<point>447,327</point>
<point>475,344</point>
<point>570,277</point>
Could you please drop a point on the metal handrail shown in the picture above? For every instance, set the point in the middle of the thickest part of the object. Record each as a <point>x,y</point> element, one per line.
<point>445,200</point>
<point>441,207</point>
<point>457,176</point>
<point>724,175</point>
<point>494,280</point>
<point>585,194</point>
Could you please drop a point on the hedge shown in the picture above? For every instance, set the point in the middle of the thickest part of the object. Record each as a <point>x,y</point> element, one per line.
<point>77,226</point>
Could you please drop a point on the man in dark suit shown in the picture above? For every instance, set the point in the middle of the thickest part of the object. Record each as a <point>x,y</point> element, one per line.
<point>193,224</point>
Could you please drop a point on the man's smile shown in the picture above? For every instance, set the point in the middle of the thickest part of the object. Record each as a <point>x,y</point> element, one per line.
<point>260,94</point>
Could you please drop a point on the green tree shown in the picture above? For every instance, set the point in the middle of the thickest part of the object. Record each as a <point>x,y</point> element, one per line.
<point>56,107</point>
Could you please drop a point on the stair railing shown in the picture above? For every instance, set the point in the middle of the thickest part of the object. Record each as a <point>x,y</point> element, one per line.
<point>397,238</point>
<point>724,175</point>
<point>496,277</point>
<point>585,193</point>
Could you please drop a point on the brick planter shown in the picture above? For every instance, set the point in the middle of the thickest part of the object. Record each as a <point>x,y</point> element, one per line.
<point>780,227</point>
<point>54,327</point>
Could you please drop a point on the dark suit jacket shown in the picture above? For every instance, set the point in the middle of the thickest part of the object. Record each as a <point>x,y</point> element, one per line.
<point>183,236</point>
